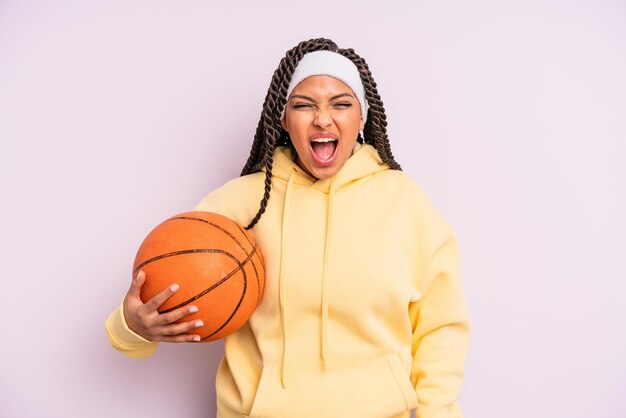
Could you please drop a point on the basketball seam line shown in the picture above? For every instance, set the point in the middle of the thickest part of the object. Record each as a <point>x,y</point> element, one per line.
<point>204,250</point>
<point>243,232</point>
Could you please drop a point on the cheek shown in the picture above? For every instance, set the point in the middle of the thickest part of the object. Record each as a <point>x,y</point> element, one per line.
<point>299,133</point>
<point>350,123</point>
<point>296,124</point>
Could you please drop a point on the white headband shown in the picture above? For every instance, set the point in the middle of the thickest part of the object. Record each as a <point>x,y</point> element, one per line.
<point>334,65</point>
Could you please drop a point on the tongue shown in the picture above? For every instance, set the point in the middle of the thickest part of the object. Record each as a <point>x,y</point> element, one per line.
<point>324,150</point>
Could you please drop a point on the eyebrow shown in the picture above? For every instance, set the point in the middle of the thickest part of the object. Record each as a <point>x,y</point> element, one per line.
<point>337,96</point>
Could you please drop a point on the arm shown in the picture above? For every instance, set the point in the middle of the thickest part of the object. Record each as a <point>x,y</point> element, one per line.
<point>440,336</point>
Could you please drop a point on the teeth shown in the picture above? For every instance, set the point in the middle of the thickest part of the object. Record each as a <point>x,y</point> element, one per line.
<point>323,140</point>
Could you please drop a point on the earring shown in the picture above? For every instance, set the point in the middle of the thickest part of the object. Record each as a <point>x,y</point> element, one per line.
<point>360,139</point>
<point>284,139</point>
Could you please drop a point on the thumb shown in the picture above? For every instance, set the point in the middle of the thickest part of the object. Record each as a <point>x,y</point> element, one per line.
<point>136,284</point>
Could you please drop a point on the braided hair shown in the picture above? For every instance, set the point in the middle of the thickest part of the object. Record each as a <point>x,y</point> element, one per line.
<point>269,133</point>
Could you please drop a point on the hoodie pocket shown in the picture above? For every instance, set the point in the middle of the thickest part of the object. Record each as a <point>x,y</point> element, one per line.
<point>368,388</point>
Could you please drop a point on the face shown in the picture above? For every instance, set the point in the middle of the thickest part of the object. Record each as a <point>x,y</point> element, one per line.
<point>323,119</point>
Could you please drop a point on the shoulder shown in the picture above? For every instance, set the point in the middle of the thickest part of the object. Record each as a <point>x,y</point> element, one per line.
<point>404,187</point>
<point>416,208</point>
<point>238,185</point>
<point>237,199</point>
<point>400,180</point>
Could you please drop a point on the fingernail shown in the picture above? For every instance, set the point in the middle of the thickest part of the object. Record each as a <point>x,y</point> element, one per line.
<point>196,338</point>
<point>193,309</point>
<point>198,324</point>
<point>174,288</point>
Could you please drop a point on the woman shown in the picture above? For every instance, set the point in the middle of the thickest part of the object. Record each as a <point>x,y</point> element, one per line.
<point>363,313</point>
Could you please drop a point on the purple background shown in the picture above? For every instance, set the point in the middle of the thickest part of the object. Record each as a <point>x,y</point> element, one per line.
<point>115,115</point>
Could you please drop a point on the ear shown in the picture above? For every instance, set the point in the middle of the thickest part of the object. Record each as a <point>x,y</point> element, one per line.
<point>283,122</point>
<point>362,126</point>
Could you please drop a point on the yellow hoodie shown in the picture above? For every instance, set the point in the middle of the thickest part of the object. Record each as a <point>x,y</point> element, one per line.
<point>363,313</point>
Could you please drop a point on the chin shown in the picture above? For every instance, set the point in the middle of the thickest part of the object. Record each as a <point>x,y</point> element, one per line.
<point>325,173</point>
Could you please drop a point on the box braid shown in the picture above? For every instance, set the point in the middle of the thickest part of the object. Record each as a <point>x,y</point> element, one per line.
<point>269,132</point>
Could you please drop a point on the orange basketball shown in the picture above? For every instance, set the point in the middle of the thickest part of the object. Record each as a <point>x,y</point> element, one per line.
<point>216,263</point>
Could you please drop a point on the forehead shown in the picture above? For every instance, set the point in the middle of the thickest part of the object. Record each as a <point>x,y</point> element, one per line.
<point>322,85</point>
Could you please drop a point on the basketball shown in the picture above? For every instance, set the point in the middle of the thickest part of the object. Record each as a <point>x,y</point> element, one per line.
<point>216,263</point>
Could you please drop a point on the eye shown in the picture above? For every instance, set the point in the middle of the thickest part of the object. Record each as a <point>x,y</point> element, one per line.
<point>302,106</point>
<point>343,105</point>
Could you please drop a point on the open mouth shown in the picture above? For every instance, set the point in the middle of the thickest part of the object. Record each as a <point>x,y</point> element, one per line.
<point>324,150</point>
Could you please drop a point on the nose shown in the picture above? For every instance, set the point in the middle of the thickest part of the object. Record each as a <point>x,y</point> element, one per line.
<point>323,118</point>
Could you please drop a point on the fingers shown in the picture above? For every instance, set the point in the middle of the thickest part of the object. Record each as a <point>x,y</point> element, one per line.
<point>182,338</point>
<point>182,328</point>
<point>172,332</point>
<point>178,332</point>
<point>158,300</point>
<point>153,304</point>
<point>144,318</point>
<point>171,317</point>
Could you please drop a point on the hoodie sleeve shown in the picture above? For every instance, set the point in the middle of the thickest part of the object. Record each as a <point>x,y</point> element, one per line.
<point>440,336</point>
<point>125,340</point>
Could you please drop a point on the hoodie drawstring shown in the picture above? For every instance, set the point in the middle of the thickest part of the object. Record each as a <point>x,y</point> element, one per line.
<point>329,213</point>
<point>283,275</point>
<point>282,281</point>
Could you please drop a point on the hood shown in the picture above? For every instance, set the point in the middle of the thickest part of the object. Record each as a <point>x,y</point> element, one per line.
<point>363,162</point>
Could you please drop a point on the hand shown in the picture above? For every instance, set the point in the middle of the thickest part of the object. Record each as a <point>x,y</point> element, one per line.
<point>145,320</point>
